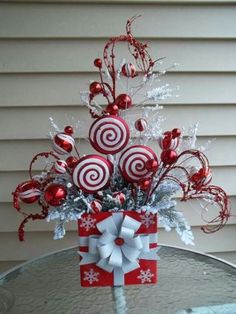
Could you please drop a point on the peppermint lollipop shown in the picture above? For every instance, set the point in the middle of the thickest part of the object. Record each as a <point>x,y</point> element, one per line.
<point>133,161</point>
<point>109,134</point>
<point>92,173</point>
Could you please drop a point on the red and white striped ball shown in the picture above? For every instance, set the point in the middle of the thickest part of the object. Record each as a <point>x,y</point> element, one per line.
<point>63,143</point>
<point>167,142</point>
<point>141,125</point>
<point>109,134</point>
<point>30,191</point>
<point>132,162</point>
<point>95,206</point>
<point>60,166</point>
<point>200,177</point>
<point>92,173</point>
<point>128,70</point>
<point>120,197</point>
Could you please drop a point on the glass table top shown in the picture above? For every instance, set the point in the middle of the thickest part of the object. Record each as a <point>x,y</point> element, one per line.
<point>186,281</point>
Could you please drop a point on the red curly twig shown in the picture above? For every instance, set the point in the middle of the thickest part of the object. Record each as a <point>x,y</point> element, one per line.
<point>42,215</point>
<point>43,154</point>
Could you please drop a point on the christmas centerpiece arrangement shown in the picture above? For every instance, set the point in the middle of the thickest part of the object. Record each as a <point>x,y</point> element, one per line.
<point>137,175</point>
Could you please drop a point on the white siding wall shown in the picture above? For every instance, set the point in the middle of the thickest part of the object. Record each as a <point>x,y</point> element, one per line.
<point>46,55</point>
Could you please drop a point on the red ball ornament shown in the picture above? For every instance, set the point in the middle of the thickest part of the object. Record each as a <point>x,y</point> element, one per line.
<point>29,191</point>
<point>98,63</point>
<point>112,109</point>
<point>128,70</point>
<point>123,101</point>
<point>63,143</point>
<point>144,184</point>
<point>95,88</point>
<point>176,133</point>
<point>169,157</point>
<point>71,161</point>
<point>55,194</point>
<point>152,165</point>
<point>140,125</point>
<point>68,130</point>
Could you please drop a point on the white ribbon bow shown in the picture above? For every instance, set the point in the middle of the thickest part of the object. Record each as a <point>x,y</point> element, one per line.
<point>119,256</point>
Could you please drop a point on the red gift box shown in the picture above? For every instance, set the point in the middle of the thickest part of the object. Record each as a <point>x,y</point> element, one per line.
<point>118,248</point>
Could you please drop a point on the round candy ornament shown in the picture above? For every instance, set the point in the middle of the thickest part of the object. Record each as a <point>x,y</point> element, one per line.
<point>200,177</point>
<point>55,194</point>
<point>109,134</point>
<point>120,197</point>
<point>29,191</point>
<point>128,70</point>
<point>63,143</point>
<point>132,162</point>
<point>141,125</point>
<point>123,101</point>
<point>167,141</point>
<point>95,206</point>
<point>92,173</point>
<point>60,166</point>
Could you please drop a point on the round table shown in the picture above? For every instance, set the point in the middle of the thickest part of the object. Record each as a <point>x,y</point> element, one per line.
<point>186,280</point>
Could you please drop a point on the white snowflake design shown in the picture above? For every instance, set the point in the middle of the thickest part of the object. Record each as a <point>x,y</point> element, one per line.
<point>147,219</point>
<point>87,222</point>
<point>91,276</point>
<point>145,276</point>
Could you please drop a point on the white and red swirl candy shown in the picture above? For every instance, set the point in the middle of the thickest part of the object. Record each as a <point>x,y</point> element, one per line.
<point>29,191</point>
<point>92,173</point>
<point>95,206</point>
<point>60,166</point>
<point>141,125</point>
<point>120,197</point>
<point>109,134</point>
<point>128,70</point>
<point>133,161</point>
<point>167,141</point>
<point>200,177</point>
<point>63,143</point>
